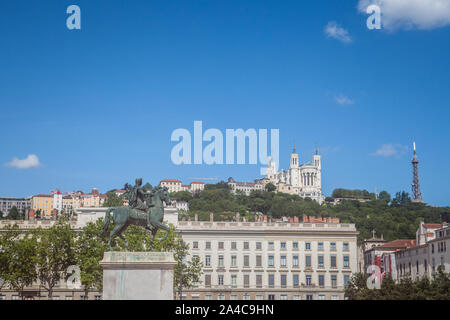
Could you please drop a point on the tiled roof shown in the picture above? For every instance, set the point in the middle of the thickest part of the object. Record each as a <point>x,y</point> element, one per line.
<point>398,244</point>
<point>170,180</point>
<point>43,196</point>
<point>197,182</point>
<point>432,225</point>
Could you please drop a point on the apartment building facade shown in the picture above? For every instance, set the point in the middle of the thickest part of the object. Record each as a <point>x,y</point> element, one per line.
<point>43,202</point>
<point>271,260</point>
<point>7,203</point>
<point>423,261</point>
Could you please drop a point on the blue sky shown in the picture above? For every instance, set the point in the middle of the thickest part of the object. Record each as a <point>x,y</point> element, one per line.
<point>97,106</point>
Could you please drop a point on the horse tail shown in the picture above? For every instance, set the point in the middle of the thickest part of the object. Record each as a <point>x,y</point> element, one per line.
<point>107,219</point>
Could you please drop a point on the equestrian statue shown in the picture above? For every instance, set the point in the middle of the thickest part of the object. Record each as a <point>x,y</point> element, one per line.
<point>145,209</point>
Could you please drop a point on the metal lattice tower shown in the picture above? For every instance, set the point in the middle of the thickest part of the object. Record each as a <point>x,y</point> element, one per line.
<point>417,195</point>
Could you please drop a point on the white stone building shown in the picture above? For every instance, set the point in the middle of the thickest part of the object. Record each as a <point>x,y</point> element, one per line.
<point>437,248</point>
<point>174,185</point>
<point>245,187</point>
<point>413,259</point>
<point>304,180</point>
<point>196,186</point>
<point>271,260</point>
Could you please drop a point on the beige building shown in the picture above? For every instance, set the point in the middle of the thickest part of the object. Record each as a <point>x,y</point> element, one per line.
<point>43,202</point>
<point>174,185</point>
<point>271,260</point>
<point>196,186</point>
<point>94,199</point>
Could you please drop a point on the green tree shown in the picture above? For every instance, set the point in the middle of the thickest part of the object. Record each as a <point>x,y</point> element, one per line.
<point>38,214</point>
<point>90,248</point>
<point>440,285</point>
<point>1,215</point>
<point>270,187</point>
<point>356,286</point>
<point>147,187</point>
<point>385,196</point>
<point>181,196</point>
<point>14,214</point>
<point>55,253</point>
<point>18,259</point>
<point>112,200</point>
<point>186,273</point>
<point>401,198</point>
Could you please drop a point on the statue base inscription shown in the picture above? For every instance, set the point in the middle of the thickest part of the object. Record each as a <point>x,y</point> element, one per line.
<point>138,275</point>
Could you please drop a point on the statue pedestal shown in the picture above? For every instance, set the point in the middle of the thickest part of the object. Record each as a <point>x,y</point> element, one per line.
<point>138,275</point>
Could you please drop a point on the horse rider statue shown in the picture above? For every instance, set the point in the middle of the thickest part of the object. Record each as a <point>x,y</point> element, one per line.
<point>137,199</point>
<point>145,209</point>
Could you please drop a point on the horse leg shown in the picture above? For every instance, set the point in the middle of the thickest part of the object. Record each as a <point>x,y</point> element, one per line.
<point>122,229</point>
<point>153,238</point>
<point>164,227</point>
<point>113,233</point>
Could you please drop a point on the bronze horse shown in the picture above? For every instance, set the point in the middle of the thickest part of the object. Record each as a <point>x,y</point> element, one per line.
<point>125,216</point>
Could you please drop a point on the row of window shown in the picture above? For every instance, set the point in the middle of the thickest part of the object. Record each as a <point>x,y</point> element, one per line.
<point>443,233</point>
<point>271,245</point>
<point>247,296</point>
<point>283,280</point>
<point>54,297</point>
<point>441,247</point>
<point>401,267</point>
<point>283,261</point>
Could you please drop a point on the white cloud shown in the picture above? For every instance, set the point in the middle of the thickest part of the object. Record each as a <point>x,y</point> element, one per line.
<point>389,150</point>
<point>343,100</point>
<point>31,161</point>
<point>411,14</point>
<point>333,30</point>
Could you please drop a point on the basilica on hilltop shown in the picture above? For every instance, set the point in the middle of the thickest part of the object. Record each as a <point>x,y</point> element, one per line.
<point>302,179</point>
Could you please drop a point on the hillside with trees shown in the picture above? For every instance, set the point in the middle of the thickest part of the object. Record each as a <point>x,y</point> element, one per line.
<point>396,218</point>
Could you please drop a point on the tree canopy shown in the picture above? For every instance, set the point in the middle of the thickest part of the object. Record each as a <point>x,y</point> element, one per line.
<point>405,289</point>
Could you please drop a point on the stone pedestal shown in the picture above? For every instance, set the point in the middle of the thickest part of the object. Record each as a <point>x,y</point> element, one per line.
<point>138,275</point>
